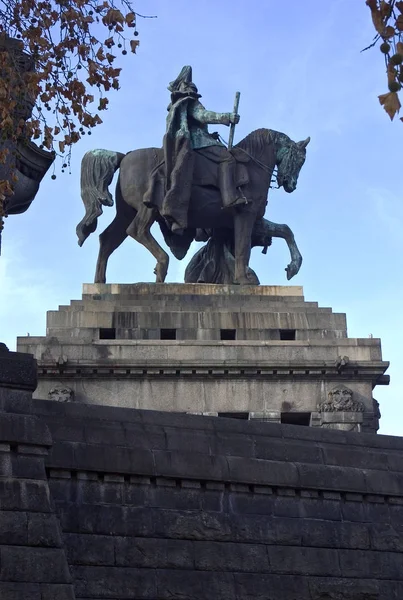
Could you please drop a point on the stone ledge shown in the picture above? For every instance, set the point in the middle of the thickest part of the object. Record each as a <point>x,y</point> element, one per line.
<point>17,370</point>
<point>189,370</point>
<point>129,417</point>
<point>191,288</point>
<point>226,486</point>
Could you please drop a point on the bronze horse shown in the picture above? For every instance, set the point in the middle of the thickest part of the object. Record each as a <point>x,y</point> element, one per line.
<point>263,150</point>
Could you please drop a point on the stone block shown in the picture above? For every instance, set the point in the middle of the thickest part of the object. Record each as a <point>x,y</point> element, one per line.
<point>33,565</point>
<point>267,472</point>
<point>91,550</point>
<point>386,536</point>
<point>24,429</point>
<point>192,525</point>
<point>191,466</point>
<point>57,591</point>
<point>43,530</point>
<point>24,495</point>
<point>327,534</point>
<point>271,586</point>
<point>13,527</point>
<point>27,467</point>
<point>304,561</point>
<point>335,588</point>
<point>272,449</point>
<point>195,585</point>
<point>231,557</point>
<point>17,370</point>
<point>154,553</point>
<point>174,498</point>
<point>113,459</point>
<point>332,477</point>
<point>21,591</point>
<point>106,520</point>
<point>367,565</point>
<point>115,582</point>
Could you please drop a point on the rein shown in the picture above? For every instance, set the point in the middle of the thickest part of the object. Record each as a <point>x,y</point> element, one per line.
<point>258,162</point>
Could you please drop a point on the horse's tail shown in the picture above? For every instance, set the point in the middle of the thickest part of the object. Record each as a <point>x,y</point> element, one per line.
<point>97,170</point>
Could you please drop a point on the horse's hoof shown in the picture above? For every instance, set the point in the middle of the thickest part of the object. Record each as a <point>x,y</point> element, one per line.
<point>291,271</point>
<point>161,271</point>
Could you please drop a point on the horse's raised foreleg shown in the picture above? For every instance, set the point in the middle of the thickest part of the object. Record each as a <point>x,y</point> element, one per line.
<point>283,231</point>
<point>243,225</point>
<point>139,229</point>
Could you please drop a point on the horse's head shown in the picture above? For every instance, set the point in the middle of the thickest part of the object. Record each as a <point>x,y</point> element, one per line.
<point>290,158</point>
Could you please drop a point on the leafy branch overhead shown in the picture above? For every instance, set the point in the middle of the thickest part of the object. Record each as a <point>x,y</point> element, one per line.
<point>387,18</point>
<point>72,46</point>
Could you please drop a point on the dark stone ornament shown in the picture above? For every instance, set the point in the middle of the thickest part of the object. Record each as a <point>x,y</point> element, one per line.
<point>26,160</point>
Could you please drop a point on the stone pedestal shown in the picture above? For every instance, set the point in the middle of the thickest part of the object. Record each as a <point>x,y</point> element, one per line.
<point>250,352</point>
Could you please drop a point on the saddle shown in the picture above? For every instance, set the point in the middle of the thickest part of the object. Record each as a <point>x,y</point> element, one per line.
<point>206,169</point>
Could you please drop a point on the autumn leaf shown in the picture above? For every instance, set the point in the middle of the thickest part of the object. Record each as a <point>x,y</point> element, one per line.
<point>130,18</point>
<point>385,9</point>
<point>103,102</point>
<point>376,15</point>
<point>390,103</point>
<point>134,45</point>
<point>100,55</point>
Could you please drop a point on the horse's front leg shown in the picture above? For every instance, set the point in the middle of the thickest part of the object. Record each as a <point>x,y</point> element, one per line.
<point>283,231</point>
<point>243,225</point>
<point>139,229</point>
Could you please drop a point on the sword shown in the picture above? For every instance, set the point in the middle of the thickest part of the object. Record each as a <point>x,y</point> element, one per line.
<point>232,126</point>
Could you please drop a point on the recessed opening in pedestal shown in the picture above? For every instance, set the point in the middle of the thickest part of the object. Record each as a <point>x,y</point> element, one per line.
<point>296,418</point>
<point>168,334</point>
<point>234,415</point>
<point>227,334</point>
<point>107,333</point>
<point>287,334</point>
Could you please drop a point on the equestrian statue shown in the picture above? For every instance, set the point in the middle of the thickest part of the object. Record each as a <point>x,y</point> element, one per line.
<point>195,188</point>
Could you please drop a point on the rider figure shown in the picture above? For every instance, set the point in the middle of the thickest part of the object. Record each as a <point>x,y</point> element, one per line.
<point>187,132</point>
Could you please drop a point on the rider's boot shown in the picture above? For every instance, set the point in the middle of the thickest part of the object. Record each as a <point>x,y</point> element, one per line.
<point>230,194</point>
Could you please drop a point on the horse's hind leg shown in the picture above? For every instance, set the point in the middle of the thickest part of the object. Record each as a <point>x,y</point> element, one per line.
<point>243,225</point>
<point>139,229</point>
<point>110,239</point>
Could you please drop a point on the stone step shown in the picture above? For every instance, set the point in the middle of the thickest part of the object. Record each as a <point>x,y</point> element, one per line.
<point>143,305</point>
<point>179,320</point>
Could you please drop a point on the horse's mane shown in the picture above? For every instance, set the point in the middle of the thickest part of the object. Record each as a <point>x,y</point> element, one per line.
<point>257,139</point>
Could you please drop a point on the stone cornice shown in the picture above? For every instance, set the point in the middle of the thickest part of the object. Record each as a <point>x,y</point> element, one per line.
<point>373,371</point>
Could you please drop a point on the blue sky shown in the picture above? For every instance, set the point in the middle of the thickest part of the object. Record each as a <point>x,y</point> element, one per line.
<point>299,69</point>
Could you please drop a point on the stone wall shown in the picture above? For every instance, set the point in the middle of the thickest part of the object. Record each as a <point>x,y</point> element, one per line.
<point>107,503</point>
<point>33,563</point>
<point>160,505</point>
